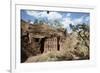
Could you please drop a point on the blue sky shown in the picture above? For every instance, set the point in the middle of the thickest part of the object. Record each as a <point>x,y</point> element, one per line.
<point>65,18</point>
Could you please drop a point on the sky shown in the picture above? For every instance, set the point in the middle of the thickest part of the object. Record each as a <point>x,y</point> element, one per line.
<point>65,18</point>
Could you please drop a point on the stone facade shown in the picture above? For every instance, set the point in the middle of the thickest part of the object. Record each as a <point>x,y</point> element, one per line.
<point>53,44</point>
<point>62,43</point>
<point>50,44</point>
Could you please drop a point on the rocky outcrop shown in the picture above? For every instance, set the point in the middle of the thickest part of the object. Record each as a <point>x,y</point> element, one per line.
<point>40,38</point>
<point>42,42</point>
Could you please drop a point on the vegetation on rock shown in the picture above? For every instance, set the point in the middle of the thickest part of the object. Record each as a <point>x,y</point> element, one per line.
<point>76,43</point>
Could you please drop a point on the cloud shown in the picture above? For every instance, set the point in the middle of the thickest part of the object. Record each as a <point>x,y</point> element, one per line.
<point>54,16</point>
<point>87,18</point>
<point>66,21</point>
<point>37,14</point>
<point>32,13</point>
<point>68,14</point>
<point>78,20</point>
<point>50,16</point>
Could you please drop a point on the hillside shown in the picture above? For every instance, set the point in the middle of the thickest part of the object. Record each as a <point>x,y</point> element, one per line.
<point>75,44</point>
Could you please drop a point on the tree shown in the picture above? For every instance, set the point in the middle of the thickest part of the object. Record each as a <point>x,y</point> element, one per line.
<point>83,32</point>
<point>56,23</point>
<point>71,26</point>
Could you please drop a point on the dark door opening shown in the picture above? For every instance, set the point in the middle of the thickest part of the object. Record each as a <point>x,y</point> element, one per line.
<point>42,45</point>
<point>58,46</point>
<point>37,39</point>
<point>23,55</point>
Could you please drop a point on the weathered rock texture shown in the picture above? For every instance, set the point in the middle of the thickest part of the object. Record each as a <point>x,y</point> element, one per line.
<point>41,42</point>
<point>37,39</point>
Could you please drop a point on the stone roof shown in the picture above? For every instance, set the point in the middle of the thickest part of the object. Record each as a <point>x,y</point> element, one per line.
<point>42,30</point>
<point>45,31</point>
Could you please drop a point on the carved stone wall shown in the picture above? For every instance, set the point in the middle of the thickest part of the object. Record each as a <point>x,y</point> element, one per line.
<point>50,44</point>
<point>61,43</point>
<point>54,44</point>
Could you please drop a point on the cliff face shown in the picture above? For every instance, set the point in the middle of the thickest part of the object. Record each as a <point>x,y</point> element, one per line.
<point>40,38</point>
<point>42,42</point>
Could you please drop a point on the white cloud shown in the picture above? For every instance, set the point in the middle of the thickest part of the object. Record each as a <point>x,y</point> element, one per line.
<point>42,15</point>
<point>33,13</point>
<point>66,22</point>
<point>54,16</point>
<point>87,18</point>
<point>68,14</point>
<point>50,16</point>
<point>31,22</point>
<point>78,20</point>
<point>37,14</point>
